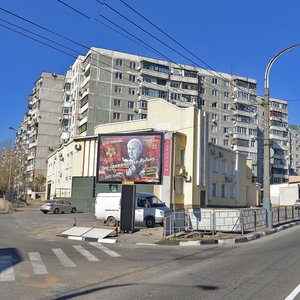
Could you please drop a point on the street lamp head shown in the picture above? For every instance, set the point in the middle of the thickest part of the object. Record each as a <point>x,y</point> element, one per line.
<point>12,128</point>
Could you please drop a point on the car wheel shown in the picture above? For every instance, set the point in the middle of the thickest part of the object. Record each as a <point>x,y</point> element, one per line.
<point>56,211</point>
<point>111,221</point>
<point>44,212</point>
<point>150,222</point>
<point>73,210</point>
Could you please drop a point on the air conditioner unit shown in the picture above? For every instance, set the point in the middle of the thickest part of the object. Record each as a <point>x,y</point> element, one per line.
<point>78,147</point>
<point>79,117</point>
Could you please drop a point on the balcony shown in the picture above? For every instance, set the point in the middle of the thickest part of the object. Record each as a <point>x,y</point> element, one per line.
<point>148,72</point>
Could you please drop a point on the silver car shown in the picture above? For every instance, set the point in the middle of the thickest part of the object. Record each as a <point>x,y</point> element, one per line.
<point>57,206</point>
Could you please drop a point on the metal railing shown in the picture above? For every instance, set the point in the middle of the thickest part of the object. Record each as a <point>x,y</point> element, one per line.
<point>227,220</point>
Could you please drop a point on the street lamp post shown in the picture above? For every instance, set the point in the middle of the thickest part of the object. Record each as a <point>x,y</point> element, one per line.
<point>267,173</point>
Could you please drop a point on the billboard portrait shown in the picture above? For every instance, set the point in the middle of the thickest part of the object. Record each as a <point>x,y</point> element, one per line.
<point>132,157</point>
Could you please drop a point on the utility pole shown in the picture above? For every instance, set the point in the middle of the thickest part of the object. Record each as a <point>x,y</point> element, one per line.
<point>267,166</point>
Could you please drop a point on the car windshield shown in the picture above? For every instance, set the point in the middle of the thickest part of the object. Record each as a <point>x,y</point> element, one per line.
<point>155,202</point>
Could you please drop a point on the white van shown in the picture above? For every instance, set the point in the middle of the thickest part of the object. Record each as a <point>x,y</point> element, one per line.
<point>148,209</point>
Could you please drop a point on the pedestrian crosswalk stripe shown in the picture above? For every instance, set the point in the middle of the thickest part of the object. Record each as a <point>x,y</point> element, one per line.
<point>63,258</point>
<point>7,272</point>
<point>106,250</point>
<point>37,263</point>
<point>89,256</point>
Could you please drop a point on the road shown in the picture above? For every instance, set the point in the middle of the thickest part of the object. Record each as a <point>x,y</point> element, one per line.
<point>35,264</point>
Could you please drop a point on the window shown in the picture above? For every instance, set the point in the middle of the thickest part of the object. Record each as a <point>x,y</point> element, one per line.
<point>117,102</point>
<point>175,96</point>
<point>175,84</point>
<point>214,105</point>
<point>213,141</point>
<point>252,144</point>
<point>214,190</point>
<point>226,130</point>
<point>224,167</point>
<point>130,104</point>
<point>83,128</point>
<point>143,116</point>
<point>202,90</point>
<point>214,117</point>
<point>130,117</point>
<point>226,94</point>
<point>119,62</point>
<point>131,78</point>
<point>223,191</point>
<point>131,91</point>
<point>118,89</point>
<point>214,129</point>
<point>226,106</point>
<point>67,98</point>
<point>214,93</point>
<point>225,142</point>
<point>132,65</point>
<point>214,80</point>
<point>116,116</point>
<point>226,118</point>
<point>118,75</point>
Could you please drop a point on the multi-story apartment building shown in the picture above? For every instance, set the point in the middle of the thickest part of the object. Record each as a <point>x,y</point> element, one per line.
<point>108,86</point>
<point>294,140</point>
<point>280,151</point>
<point>39,134</point>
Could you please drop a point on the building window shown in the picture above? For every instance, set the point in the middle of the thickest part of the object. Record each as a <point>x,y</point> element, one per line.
<point>118,75</point>
<point>143,116</point>
<point>214,80</point>
<point>131,91</point>
<point>202,90</point>
<point>175,84</point>
<point>118,89</point>
<point>223,191</point>
<point>130,117</point>
<point>224,167</point>
<point>130,104</point>
<point>226,94</point>
<point>214,93</point>
<point>226,106</point>
<point>226,130</point>
<point>214,105</point>
<point>119,62</point>
<point>132,65</point>
<point>213,141</point>
<point>225,142</point>
<point>214,129</point>
<point>252,144</point>
<point>214,163</point>
<point>132,78</point>
<point>214,190</point>
<point>226,118</point>
<point>117,102</point>
<point>83,128</point>
<point>116,116</point>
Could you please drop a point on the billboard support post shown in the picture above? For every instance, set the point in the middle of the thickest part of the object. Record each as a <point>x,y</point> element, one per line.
<point>127,214</point>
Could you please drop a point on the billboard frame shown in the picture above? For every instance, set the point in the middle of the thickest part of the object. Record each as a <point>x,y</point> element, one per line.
<point>126,137</point>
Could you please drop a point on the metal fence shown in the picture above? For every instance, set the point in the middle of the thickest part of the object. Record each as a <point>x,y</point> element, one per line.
<point>227,220</point>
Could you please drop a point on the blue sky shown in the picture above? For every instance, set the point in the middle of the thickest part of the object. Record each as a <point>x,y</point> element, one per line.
<point>238,37</point>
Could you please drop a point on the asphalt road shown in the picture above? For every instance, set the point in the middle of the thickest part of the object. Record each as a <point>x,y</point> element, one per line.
<point>36,264</point>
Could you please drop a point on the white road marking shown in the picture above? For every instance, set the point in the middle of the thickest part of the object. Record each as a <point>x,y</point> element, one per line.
<point>89,256</point>
<point>37,263</point>
<point>63,258</point>
<point>106,250</point>
<point>293,294</point>
<point>7,272</point>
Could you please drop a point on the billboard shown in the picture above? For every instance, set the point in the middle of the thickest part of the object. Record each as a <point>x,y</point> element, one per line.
<point>130,157</point>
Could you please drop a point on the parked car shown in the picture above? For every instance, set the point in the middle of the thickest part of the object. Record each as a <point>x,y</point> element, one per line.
<point>57,206</point>
<point>297,204</point>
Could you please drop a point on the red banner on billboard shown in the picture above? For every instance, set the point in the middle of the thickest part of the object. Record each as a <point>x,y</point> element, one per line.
<point>130,158</point>
<point>167,158</point>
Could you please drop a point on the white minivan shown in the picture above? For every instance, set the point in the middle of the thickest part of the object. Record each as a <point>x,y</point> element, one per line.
<point>148,209</point>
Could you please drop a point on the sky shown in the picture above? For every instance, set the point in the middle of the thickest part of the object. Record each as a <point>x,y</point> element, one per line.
<point>233,36</point>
